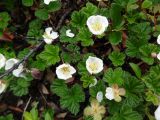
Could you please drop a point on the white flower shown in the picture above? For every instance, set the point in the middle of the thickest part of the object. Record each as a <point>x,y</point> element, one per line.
<point>158,56</point>
<point>17,72</point>
<point>2,61</point>
<point>94,65</point>
<point>2,86</point>
<point>115,93</point>
<point>109,93</point>
<point>157,113</point>
<point>65,71</point>
<point>50,35</point>
<point>93,84</point>
<point>48,1</point>
<point>97,24</point>
<point>158,39</point>
<point>10,63</point>
<point>99,96</point>
<point>69,33</point>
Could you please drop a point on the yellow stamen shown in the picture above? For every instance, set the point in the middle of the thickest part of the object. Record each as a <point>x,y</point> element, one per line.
<point>97,26</point>
<point>93,66</point>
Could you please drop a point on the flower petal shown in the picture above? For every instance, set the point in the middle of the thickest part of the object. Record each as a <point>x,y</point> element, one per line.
<point>157,113</point>
<point>99,96</point>
<point>10,63</point>
<point>2,61</point>
<point>109,93</point>
<point>94,65</point>
<point>2,86</point>
<point>69,33</point>
<point>97,24</point>
<point>65,71</point>
<point>158,56</point>
<point>158,39</point>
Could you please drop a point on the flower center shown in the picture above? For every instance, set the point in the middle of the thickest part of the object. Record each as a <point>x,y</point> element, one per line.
<point>65,70</point>
<point>95,110</point>
<point>47,36</point>
<point>97,26</point>
<point>93,66</point>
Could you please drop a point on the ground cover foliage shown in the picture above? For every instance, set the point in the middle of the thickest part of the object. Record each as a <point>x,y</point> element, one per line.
<point>79,59</point>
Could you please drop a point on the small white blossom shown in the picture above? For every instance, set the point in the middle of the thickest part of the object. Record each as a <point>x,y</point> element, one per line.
<point>48,1</point>
<point>158,56</point>
<point>69,33</point>
<point>99,96</point>
<point>158,39</point>
<point>93,84</point>
<point>109,93</point>
<point>2,61</point>
<point>115,93</point>
<point>157,113</point>
<point>97,24</point>
<point>2,86</point>
<point>65,71</point>
<point>49,35</point>
<point>10,63</point>
<point>17,72</point>
<point>94,65</point>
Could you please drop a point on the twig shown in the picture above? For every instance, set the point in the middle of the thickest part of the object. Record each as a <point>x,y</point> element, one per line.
<point>41,44</point>
<point>29,100</point>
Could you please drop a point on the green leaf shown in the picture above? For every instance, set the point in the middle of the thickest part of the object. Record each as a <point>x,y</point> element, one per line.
<point>82,68</point>
<point>69,57</point>
<point>114,76</point>
<point>53,6</point>
<point>48,117</point>
<point>115,38</point>
<point>50,54</point>
<point>115,12</point>
<point>72,99</point>
<point>152,97</point>
<point>87,80</point>
<point>35,31</point>
<point>132,5</point>
<point>139,34</point>
<point>42,14</point>
<point>78,19</point>
<point>146,51</point>
<point>27,3</point>
<point>39,64</point>
<point>7,117</point>
<point>4,19</point>
<point>32,115</point>
<point>69,97</point>
<point>49,114</point>
<point>136,69</point>
<point>89,10</point>
<point>85,37</point>
<point>126,113</point>
<point>134,90</point>
<point>117,58</point>
<point>27,116</point>
<point>146,4</point>
<point>20,86</point>
<point>152,79</point>
<point>59,87</point>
